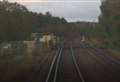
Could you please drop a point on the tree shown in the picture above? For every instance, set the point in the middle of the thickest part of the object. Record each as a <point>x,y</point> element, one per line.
<point>17,22</point>
<point>110,21</point>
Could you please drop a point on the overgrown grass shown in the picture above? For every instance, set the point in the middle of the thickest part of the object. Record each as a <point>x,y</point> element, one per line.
<point>15,66</point>
<point>18,67</point>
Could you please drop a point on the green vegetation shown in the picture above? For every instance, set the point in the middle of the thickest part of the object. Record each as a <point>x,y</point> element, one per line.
<point>110,22</point>
<point>17,64</point>
<point>14,63</point>
<point>17,22</point>
<point>106,32</point>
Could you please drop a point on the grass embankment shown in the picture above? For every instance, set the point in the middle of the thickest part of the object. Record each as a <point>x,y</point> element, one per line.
<point>14,67</point>
<point>18,67</point>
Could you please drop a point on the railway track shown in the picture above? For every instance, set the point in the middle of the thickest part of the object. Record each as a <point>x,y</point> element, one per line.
<point>64,67</point>
<point>101,54</point>
<point>110,64</point>
<point>40,67</point>
<point>106,55</point>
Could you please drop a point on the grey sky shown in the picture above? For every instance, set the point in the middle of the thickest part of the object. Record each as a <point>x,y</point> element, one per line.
<point>72,10</point>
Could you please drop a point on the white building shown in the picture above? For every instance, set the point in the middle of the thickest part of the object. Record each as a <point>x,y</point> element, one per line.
<point>47,37</point>
<point>44,39</point>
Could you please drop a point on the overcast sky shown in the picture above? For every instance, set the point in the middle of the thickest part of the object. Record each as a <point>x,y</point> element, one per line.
<point>72,10</point>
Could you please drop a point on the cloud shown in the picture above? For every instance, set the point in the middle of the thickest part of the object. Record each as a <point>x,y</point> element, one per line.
<point>72,10</point>
<point>26,1</point>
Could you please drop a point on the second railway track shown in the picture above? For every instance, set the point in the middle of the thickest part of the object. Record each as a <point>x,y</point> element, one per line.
<point>64,67</point>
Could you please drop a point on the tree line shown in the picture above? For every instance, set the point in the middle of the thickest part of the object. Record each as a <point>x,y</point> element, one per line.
<point>110,22</point>
<point>108,28</point>
<point>17,22</point>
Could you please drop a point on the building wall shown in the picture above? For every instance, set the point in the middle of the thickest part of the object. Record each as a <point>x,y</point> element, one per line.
<point>30,45</point>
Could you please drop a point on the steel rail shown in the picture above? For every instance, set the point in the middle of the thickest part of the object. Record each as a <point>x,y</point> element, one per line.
<point>56,62</point>
<point>57,65</point>
<point>103,63</point>
<point>76,65</point>
<point>103,60</point>
<point>113,60</point>
<point>107,56</point>
<point>52,65</point>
